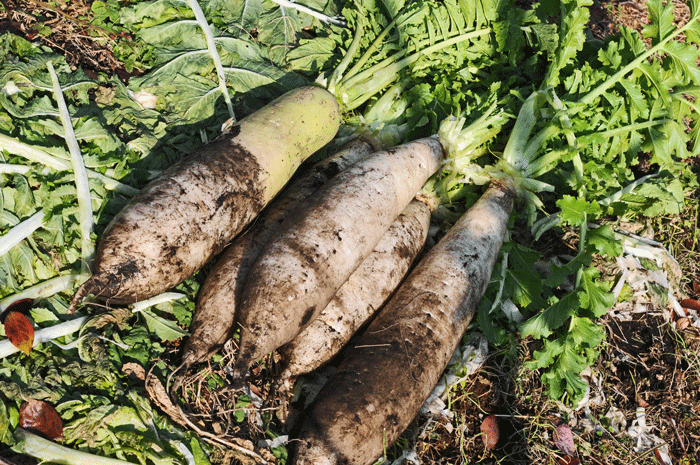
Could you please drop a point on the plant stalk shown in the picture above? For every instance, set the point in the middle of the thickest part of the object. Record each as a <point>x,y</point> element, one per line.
<point>82,184</point>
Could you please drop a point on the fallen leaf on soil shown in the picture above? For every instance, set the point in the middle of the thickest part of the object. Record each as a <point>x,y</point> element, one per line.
<point>19,331</point>
<point>490,432</point>
<point>682,323</point>
<point>159,396</point>
<point>564,439</point>
<point>691,304</point>
<point>134,371</point>
<point>41,417</point>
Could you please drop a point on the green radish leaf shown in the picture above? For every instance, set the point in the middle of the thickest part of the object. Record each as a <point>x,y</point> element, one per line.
<point>565,358</point>
<point>487,324</point>
<point>653,200</point>
<point>141,347</point>
<point>509,35</point>
<point>200,457</point>
<point>523,283</point>
<point>574,210</point>
<point>564,376</point>
<point>166,330</point>
<point>149,14</point>
<point>683,58</point>
<point>574,17</point>
<point>548,9</point>
<point>635,97</point>
<point>603,241</point>
<point>661,17</point>
<point>5,431</point>
<point>547,36</point>
<point>595,296</point>
<point>586,333</point>
<point>311,56</point>
<point>547,356</point>
<point>545,323</point>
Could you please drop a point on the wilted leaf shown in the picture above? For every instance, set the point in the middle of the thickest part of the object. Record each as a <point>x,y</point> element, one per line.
<point>21,305</point>
<point>564,439</point>
<point>19,331</point>
<point>41,417</point>
<point>159,396</point>
<point>490,432</point>
<point>691,304</point>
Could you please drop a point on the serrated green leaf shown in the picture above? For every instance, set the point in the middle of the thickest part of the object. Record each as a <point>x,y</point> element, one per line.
<point>574,210</point>
<point>603,241</point>
<point>637,102</point>
<point>523,283</point>
<point>574,18</point>
<point>547,356</point>
<point>182,35</point>
<point>585,333</point>
<point>495,334</point>
<point>684,58</point>
<point>509,36</point>
<point>545,323</point>
<point>547,36</point>
<point>564,358</point>
<point>245,14</point>
<point>311,56</point>
<point>149,14</point>
<point>595,295</point>
<point>563,378</point>
<point>661,16</point>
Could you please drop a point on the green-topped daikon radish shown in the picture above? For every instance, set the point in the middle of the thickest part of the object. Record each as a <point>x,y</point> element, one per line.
<point>359,298</point>
<point>321,244</point>
<point>219,298</point>
<point>194,208</point>
<point>397,361</point>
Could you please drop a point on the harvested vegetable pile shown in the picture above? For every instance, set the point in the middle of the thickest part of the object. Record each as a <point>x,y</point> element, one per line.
<point>390,179</point>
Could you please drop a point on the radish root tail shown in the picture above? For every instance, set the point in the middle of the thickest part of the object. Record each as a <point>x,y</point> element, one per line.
<point>88,287</point>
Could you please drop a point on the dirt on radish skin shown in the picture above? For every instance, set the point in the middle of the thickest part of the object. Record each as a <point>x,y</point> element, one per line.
<point>318,247</point>
<point>395,364</point>
<point>215,313</point>
<point>360,296</point>
<point>187,215</point>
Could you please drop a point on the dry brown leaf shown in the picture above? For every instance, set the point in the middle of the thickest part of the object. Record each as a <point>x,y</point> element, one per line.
<point>41,417</point>
<point>159,396</point>
<point>490,432</point>
<point>682,324</point>
<point>134,371</point>
<point>691,304</point>
<point>662,457</point>
<point>19,331</point>
<point>564,439</point>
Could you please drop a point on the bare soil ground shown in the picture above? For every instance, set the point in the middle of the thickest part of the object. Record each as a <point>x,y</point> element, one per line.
<point>647,362</point>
